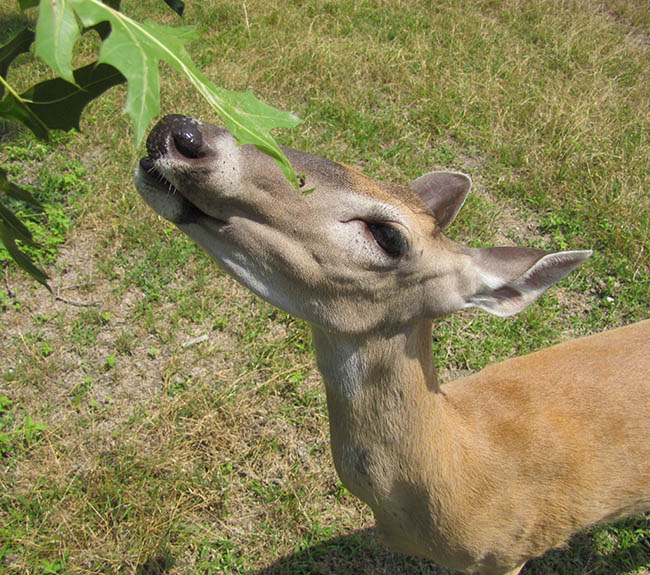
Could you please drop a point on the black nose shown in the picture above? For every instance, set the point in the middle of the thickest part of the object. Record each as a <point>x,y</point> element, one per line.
<point>183,132</point>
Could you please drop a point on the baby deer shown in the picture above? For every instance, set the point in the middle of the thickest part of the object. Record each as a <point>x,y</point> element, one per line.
<point>480,474</point>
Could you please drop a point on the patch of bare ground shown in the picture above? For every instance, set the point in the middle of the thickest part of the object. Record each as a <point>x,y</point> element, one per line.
<point>84,332</point>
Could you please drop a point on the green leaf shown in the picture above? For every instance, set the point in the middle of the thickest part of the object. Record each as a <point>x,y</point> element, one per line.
<point>31,429</point>
<point>12,229</point>
<point>250,121</point>
<point>56,33</point>
<point>14,108</point>
<point>136,50</point>
<point>17,228</point>
<point>59,104</point>
<point>16,192</point>
<point>19,43</point>
<point>9,241</point>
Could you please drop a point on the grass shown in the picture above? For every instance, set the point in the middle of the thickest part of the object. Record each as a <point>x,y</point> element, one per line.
<point>58,181</point>
<point>163,420</point>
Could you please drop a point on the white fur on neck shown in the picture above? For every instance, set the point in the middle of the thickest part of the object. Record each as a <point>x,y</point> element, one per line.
<point>340,362</point>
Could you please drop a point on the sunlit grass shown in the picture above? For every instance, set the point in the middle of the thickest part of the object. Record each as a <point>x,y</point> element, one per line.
<point>167,421</point>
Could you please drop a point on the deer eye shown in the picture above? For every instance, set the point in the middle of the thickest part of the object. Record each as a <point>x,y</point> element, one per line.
<point>388,238</point>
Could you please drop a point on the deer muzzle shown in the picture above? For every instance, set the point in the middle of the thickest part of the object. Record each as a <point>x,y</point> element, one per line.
<point>183,154</point>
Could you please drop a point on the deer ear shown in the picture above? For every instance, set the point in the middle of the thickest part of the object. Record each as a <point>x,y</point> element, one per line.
<point>444,193</point>
<point>512,278</point>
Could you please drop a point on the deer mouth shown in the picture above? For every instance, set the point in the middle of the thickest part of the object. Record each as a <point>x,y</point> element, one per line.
<point>162,196</point>
<point>167,200</point>
<point>153,176</point>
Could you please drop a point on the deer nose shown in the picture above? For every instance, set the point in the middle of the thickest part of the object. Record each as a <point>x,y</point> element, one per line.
<point>176,133</point>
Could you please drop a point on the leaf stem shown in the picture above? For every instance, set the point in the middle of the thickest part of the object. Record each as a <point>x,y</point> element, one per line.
<point>10,89</point>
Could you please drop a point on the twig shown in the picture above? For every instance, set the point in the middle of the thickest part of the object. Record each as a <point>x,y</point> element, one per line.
<point>76,303</point>
<point>57,297</point>
<point>9,292</point>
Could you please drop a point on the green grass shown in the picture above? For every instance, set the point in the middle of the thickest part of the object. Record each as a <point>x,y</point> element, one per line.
<point>56,182</point>
<point>163,420</point>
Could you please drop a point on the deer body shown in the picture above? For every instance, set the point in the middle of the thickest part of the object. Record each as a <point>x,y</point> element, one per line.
<point>481,473</point>
<point>487,471</point>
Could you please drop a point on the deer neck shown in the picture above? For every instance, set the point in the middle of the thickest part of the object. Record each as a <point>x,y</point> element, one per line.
<point>378,363</point>
<point>383,398</point>
<point>396,442</point>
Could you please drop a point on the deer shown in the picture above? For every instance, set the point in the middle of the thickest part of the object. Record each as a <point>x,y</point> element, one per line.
<point>479,474</point>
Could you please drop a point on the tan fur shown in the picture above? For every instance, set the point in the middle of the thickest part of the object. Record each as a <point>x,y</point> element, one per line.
<point>479,474</point>
<point>495,468</point>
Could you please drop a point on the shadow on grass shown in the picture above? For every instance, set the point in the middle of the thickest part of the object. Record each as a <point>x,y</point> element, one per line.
<point>623,547</point>
<point>359,553</point>
<point>620,548</point>
<point>587,553</point>
<point>158,564</point>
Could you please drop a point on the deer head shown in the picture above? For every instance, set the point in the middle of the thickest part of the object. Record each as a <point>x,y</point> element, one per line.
<point>344,255</point>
